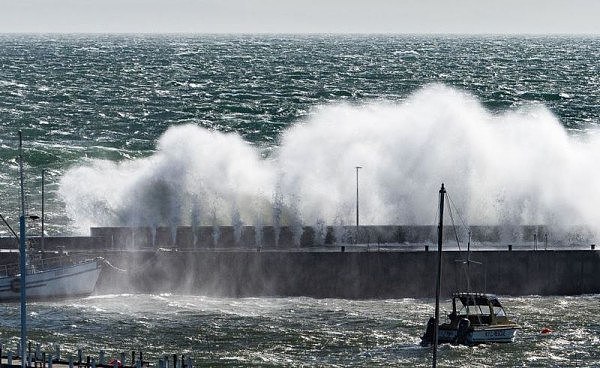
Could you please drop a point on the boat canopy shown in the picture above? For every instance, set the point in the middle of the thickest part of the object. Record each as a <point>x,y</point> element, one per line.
<point>477,299</point>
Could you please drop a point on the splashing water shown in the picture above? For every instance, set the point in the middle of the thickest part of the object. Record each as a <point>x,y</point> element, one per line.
<point>516,167</point>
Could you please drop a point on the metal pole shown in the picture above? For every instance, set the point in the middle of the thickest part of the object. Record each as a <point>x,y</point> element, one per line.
<point>43,238</point>
<point>22,256</point>
<point>439,276</point>
<point>357,167</point>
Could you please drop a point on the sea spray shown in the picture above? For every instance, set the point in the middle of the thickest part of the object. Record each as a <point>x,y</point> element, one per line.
<point>277,212</point>
<point>196,213</point>
<point>516,167</point>
<point>320,231</point>
<point>216,231</point>
<point>238,225</point>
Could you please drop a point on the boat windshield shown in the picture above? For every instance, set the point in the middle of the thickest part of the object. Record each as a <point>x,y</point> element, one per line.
<point>499,311</point>
<point>474,310</point>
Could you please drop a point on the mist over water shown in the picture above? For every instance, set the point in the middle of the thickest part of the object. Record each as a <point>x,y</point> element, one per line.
<point>517,167</point>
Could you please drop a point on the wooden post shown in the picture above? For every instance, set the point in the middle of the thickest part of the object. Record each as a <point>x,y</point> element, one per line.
<point>43,359</point>
<point>9,358</point>
<point>70,361</point>
<point>49,360</point>
<point>79,356</point>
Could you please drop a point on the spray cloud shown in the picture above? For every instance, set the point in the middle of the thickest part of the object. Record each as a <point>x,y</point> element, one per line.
<point>517,167</point>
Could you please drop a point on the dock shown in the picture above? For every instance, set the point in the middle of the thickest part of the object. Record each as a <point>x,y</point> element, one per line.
<point>36,358</point>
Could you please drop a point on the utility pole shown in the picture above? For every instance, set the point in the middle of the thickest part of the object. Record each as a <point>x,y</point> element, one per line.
<point>22,258</point>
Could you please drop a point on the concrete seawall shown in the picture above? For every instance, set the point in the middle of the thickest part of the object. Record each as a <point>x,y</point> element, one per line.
<point>357,275</point>
<point>307,236</point>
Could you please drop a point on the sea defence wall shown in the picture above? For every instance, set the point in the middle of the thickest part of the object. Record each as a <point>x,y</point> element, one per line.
<point>285,237</point>
<point>207,237</point>
<point>361,275</point>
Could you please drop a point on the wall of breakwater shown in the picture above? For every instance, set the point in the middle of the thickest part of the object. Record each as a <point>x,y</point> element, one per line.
<point>362,275</point>
<point>186,260</point>
<point>210,237</point>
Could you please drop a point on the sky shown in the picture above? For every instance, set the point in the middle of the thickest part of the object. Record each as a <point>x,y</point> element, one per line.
<point>301,16</point>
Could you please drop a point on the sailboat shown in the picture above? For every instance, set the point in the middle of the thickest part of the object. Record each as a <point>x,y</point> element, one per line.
<point>475,318</point>
<point>45,278</point>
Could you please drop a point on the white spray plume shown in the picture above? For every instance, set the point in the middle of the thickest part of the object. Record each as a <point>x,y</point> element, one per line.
<point>518,167</point>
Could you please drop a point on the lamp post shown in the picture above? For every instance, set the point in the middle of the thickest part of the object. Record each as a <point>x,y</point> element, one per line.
<point>22,257</point>
<point>357,168</point>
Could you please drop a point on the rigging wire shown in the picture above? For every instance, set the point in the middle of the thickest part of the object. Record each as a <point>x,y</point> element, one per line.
<point>453,226</point>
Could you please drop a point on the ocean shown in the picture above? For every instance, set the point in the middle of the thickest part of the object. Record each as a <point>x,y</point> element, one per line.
<point>297,332</point>
<point>167,130</point>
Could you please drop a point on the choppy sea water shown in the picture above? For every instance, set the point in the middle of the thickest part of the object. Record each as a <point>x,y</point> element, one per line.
<point>83,97</point>
<point>296,332</point>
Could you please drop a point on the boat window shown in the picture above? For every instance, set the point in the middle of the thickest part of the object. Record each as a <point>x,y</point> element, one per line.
<point>499,311</point>
<point>475,310</point>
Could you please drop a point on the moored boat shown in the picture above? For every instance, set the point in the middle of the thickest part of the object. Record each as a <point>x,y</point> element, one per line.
<point>45,278</point>
<point>476,318</point>
<point>479,318</point>
<point>55,281</point>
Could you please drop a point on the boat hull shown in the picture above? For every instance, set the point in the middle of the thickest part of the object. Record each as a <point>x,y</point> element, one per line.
<point>480,335</point>
<point>62,282</point>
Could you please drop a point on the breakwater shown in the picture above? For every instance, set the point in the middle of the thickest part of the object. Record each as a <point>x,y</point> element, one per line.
<point>354,274</point>
<point>221,237</point>
<point>302,236</point>
<point>400,263</point>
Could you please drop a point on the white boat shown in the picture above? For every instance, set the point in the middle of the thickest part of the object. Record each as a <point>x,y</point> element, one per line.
<point>46,278</point>
<point>475,319</point>
<point>53,282</point>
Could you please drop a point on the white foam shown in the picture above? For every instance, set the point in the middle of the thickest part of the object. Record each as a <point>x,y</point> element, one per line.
<point>517,167</point>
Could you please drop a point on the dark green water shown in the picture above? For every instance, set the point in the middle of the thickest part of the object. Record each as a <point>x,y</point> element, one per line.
<point>296,332</point>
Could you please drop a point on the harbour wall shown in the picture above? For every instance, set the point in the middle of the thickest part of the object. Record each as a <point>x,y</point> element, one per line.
<point>356,275</point>
<point>229,237</point>
<point>306,236</point>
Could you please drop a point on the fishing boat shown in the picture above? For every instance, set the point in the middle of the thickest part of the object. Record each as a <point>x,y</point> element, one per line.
<point>44,278</point>
<point>475,319</point>
<point>57,279</point>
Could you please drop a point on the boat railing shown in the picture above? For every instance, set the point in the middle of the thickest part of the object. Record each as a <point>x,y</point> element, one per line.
<point>35,264</point>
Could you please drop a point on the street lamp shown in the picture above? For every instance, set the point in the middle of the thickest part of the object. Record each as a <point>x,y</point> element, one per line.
<point>356,239</point>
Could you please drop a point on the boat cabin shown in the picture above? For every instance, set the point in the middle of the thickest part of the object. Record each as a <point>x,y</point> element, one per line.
<point>478,308</point>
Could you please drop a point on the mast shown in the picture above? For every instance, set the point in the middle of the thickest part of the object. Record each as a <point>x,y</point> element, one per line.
<point>22,257</point>
<point>439,276</point>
